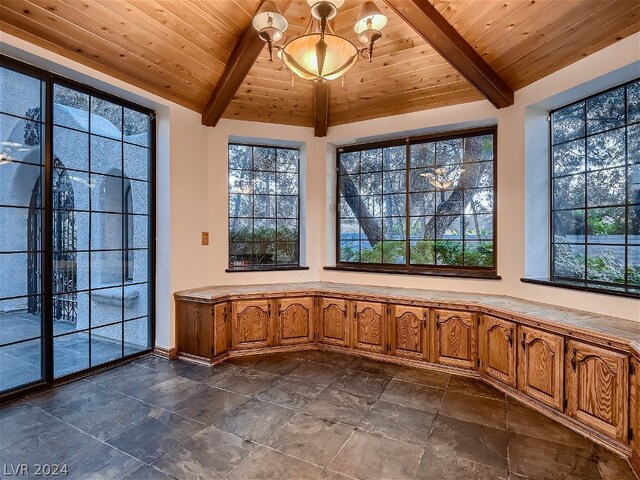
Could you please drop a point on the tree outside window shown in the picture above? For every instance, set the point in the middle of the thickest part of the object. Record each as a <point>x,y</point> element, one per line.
<point>264,207</point>
<point>423,204</point>
<point>595,182</point>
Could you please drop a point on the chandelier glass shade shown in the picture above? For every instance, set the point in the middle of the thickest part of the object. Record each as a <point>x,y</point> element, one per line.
<point>314,57</point>
<point>320,54</point>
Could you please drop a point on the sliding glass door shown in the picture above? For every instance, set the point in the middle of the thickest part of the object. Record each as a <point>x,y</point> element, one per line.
<point>21,229</point>
<point>76,229</point>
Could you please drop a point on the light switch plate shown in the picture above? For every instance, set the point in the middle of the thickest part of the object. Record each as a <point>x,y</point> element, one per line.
<point>205,238</point>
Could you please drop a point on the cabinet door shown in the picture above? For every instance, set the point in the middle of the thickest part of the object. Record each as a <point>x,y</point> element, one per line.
<point>369,327</point>
<point>251,320</point>
<point>540,366</point>
<point>295,321</point>
<point>455,341</point>
<point>194,323</point>
<point>597,388</point>
<point>408,332</point>
<point>497,349</point>
<point>221,329</point>
<point>334,326</point>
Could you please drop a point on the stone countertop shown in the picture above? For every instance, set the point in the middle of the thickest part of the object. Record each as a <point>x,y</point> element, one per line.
<point>613,328</point>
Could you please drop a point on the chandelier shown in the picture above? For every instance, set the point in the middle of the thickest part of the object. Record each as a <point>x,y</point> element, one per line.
<point>441,178</point>
<point>319,54</point>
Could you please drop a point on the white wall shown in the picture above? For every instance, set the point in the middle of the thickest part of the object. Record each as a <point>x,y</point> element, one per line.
<point>192,186</point>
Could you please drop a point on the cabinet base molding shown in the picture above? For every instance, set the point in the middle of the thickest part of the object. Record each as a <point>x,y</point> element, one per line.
<point>170,353</point>
<point>265,350</point>
<point>591,434</point>
<point>199,360</point>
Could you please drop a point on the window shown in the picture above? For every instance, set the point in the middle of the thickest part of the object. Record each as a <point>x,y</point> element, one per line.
<point>91,303</point>
<point>419,205</point>
<point>264,207</point>
<point>595,183</point>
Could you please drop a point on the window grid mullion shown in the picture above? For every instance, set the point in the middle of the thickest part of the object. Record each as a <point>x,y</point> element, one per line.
<point>586,208</point>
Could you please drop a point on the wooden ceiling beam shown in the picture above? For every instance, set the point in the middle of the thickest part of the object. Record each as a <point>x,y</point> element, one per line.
<point>320,108</point>
<point>422,16</point>
<point>242,58</point>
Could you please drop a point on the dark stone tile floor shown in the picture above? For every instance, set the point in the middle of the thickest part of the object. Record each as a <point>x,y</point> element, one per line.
<point>316,415</point>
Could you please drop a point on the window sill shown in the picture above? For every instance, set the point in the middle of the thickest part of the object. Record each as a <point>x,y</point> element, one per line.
<point>268,269</point>
<point>586,287</point>
<point>427,273</point>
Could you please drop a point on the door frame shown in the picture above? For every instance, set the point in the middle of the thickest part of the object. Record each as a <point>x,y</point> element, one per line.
<point>48,79</point>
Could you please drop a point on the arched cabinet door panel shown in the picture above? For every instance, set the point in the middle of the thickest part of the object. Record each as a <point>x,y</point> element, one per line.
<point>334,322</point>
<point>251,321</point>
<point>497,349</point>
<point>295,321</point>
<point>540,366</point>
<point>455,338</point>
<point>408,332</point>
<point>369,327</point>
<point>597,388</point>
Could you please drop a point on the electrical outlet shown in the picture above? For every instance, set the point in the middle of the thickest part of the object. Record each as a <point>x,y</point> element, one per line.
<point>205,238</point>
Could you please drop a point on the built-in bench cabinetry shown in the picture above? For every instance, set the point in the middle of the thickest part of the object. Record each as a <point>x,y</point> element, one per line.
<point>585,380</point>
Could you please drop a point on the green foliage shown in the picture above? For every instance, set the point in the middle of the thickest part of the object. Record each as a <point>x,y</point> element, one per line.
<point>633,274</point>
<point>605,267</point>
<point>265,248</point>
<point>606,222</point>
<point>423,252</point>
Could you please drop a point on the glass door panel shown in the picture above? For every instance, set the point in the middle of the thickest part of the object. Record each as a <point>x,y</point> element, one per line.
<point>100,228</point>
<point>21,229</point>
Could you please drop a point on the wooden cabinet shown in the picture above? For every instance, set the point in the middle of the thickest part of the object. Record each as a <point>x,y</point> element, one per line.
<point>455,339</point>
<point>251,324</point>
<point>221,329</point>
<point>634,412</point>
<point>334,322</point>
<point>597,383</point>
<point>194,328</point>
<point>295,321</point>
<point>497,349</point>
<point>408,332</point>
<point>369,332</point>
<point>540,366</point>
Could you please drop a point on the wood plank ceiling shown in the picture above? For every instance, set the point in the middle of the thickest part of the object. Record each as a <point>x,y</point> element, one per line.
<point>179,50</point>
